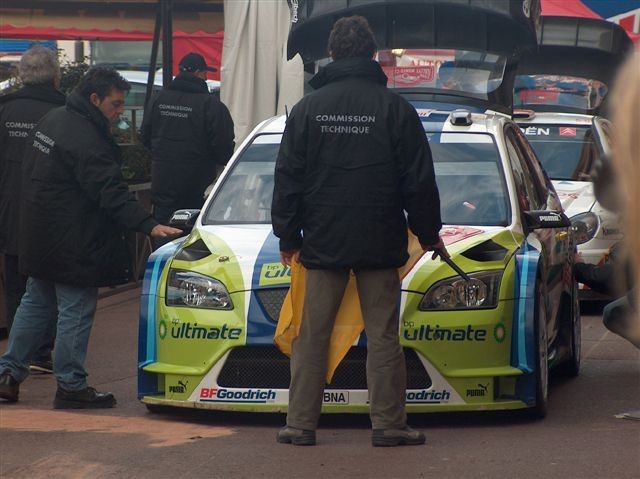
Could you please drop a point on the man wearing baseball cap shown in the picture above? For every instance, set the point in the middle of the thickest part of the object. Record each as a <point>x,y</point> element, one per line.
<point>194,62</point>
<point>190,133</point>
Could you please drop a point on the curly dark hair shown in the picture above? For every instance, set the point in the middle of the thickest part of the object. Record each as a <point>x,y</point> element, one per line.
<point>101,80</point>
<point>352,37</point>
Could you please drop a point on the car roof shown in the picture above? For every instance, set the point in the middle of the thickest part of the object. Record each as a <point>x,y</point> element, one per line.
<point>137,76</point>
<point>141,77</point>
<point>432,120</point>
<point>554,118</point>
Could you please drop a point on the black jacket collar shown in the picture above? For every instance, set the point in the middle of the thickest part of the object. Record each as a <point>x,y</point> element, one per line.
<point>85,108</point>
<point>189,83</point>
<point>45,93</point>
<point>349,67</point>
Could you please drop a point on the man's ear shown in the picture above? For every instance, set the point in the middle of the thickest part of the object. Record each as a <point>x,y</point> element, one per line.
<point>94,99</point>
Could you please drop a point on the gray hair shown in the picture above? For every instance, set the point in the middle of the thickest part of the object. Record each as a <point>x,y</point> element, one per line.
<point>39,65</point>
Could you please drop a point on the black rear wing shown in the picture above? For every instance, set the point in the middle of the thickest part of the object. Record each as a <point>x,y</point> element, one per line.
<point>497,26</point>
<point>578,47</point>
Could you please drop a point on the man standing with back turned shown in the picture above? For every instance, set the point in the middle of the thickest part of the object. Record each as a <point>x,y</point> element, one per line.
<point>353,159</point>
<point>40,75</point>
<point>75,207</point>
<point>190,133</point>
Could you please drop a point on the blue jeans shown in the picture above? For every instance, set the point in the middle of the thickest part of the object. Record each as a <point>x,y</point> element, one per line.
<point>76,307</point>
<point>15,285</point>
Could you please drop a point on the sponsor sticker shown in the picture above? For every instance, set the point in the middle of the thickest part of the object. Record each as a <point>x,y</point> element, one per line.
<point>426,396</point>
<point>335,397</point>
<point>179,388</point>
<point>453,234</point>
<point>195,332</point>
<point>535,131</point>
<point>274,273</point>
<point>481,390</point>
<point>255,396</point>
<point>499,332</point>
<point>424,112</point>
<point>437,333</point>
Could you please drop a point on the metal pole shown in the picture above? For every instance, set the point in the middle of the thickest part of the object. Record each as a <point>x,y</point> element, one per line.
<point>167,41</point>
<point>153,62</point>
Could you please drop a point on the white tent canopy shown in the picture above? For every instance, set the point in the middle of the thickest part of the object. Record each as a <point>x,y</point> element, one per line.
<point>257,80</point>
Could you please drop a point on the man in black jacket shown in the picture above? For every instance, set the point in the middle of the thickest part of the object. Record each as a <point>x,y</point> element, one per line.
<point>74,209</point>
<point>353,159</point>
<point>39,74</point>
<point>190,134</point>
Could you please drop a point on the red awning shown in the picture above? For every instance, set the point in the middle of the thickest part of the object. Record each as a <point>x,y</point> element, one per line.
<point>53,33</point>
<point>567,8</point>
<point>209,45</point>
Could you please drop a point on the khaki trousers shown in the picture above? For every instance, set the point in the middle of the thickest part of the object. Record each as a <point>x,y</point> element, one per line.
<point>386,371</point>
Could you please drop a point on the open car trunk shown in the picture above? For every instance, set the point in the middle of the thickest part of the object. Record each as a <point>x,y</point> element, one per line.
<point>467,29</point>
<point>574,66</point>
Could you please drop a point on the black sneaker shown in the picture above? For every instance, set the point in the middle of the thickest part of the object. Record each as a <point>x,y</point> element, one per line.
<point>9,387</point>
<point>87,398</point>
<point>41,366</point>
<point>406,436</point>
<point>297,437</point>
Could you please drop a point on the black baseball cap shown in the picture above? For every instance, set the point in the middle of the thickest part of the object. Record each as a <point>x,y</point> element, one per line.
<point>193,62</point>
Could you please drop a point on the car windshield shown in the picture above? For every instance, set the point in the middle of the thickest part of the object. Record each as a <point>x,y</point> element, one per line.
<point>582,93</point>
<point>460,70</point>
<point>565,151</point>
<point>245,196</point>
<point>470,180</point>
<point>468,172</point>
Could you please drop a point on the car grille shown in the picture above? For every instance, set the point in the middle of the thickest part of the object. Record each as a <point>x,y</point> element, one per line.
<point>267,367</point>
<point>271,300</point>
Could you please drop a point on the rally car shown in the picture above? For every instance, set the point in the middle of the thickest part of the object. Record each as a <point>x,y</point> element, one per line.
<point>211,301</point>
<point>560,93</point>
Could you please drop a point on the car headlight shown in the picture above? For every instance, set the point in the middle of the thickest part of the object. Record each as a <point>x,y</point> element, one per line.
<point>456,293</point>
<point>186,288</point>
<point>584,226</point>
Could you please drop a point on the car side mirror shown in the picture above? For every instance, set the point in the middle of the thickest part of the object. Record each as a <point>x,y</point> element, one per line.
<point>184,219</point>
<point>537,219</point>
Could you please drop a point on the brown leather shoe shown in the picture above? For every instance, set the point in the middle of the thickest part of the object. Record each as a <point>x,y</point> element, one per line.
<point>9,387</point>
<point>406,436</point>
<point>297,437</point>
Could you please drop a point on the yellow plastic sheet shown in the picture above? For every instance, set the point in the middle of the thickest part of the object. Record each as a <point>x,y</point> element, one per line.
<point>349,323</point>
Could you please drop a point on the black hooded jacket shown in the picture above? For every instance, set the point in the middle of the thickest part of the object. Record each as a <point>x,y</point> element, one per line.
<point>189,132</point>
<point>19,113</point>
<point>75,204</point>
<point>353,159</point>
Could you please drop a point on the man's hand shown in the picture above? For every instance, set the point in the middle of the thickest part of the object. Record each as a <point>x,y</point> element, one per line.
<point>437,248</point>
<point>162,231</point>
<point>286,257</point>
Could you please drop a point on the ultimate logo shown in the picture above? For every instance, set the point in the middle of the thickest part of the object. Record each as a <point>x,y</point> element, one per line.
<point>193,331</point>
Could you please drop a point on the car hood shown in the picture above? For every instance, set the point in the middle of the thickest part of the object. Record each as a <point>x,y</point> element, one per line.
<point>246,257</point>
<point>576,196</point>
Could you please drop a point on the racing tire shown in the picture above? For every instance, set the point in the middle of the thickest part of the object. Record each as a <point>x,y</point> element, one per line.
<point>539,411</point>
<point>571,365</point>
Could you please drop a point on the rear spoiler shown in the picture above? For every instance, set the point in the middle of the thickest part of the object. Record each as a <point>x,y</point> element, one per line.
<point>497,26</point>
<point>580,47</point>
